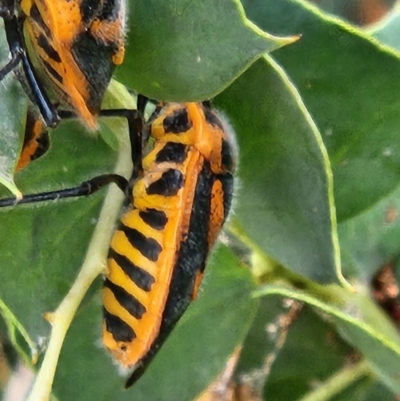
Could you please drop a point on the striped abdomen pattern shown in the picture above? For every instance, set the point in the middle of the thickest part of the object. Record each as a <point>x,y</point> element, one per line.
<point>159,250</point>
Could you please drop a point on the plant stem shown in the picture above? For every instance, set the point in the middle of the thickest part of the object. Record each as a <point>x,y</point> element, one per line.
<point>93,265</point>
<point>338,382</point>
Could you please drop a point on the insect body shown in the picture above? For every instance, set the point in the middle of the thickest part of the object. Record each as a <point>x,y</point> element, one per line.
<point>158,253</point>
<point>75,43</point>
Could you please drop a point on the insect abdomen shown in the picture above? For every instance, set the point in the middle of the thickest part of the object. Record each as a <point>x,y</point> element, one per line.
<point>141,260</point>
<point>179,206</point>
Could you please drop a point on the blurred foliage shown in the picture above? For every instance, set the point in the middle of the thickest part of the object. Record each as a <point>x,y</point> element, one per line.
<point>359,12</point>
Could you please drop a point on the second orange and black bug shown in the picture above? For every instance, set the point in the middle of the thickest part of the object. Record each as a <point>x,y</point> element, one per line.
<point>68,50</point>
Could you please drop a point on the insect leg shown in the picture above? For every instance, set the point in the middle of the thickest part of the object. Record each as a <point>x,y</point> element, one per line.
<point>13,39</point>
<point>17,46</point>
<point>84,189</point>
<point>135,126</point>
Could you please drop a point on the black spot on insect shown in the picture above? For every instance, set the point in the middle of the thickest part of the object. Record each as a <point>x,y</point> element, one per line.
<point>126,300</point>
<point>89,9</point>
<point>148,247</point>
<point>168,185</point>
<point>48,49</point>
<point>52,71</point>
<point>142,279</point>
<point>227,157</point>
<point>213,119</point>
<point>177,122</point>
<point>172,152</point>
<point>118,328</point>
<point>110,10</point>
<point>37,17</point>
<point>156,219</point>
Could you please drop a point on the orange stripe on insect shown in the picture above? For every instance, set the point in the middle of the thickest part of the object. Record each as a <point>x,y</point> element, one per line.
<point>36,140</point>
<point>183,195</point>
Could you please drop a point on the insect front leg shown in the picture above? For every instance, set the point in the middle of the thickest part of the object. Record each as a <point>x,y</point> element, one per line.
<point>16,43</point>
<point>86,188</point>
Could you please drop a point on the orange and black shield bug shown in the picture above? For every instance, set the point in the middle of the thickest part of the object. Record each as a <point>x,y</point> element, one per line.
<point>68,50</point>
<point>177,200</point>
<point>179,203</point>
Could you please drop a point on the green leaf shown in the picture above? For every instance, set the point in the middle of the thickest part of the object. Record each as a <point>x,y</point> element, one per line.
<point>192,356</point>
<point>13,108</point>
<point>360,322</point>
<point>42,245</point>
<point>290,349</point>
<point>370,240</point>
<point>350,85</point>
<point>367,389</point>
<point>308,339</point>
<point>187,51</point>
<point>284,199</point>
<point>258,343</point>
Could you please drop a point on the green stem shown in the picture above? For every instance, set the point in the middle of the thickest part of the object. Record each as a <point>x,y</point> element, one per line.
<point>93,265</point>
<point>338,382</point>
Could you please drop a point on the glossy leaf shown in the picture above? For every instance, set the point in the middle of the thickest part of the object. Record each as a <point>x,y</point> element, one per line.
<point>40,249</point>
<point>185,51</point>
<point>350,85</point>
<point>310,342</point>
<point>261,338</point>
<point>285,197</point>
<point>369,240</point>
<point>361,323</point>
<point>367,389</point>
